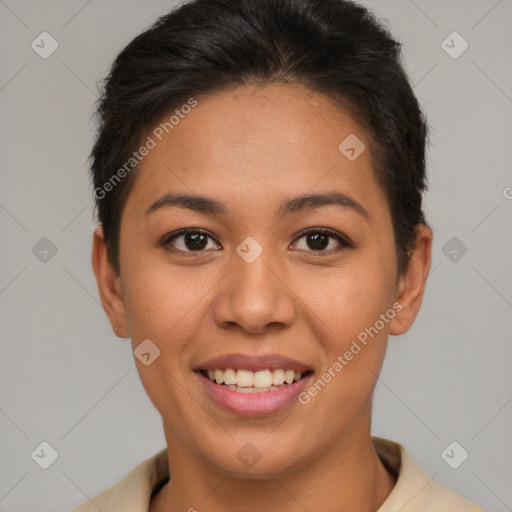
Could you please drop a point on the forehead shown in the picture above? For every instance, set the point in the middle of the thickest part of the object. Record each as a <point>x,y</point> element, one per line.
<point>256,143</point>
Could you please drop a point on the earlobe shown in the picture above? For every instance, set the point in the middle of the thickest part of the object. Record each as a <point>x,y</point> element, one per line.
<point>412,284</point>
<point>109,286</point>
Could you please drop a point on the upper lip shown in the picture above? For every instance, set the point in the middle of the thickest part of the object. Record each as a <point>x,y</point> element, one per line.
<point>253,363</point>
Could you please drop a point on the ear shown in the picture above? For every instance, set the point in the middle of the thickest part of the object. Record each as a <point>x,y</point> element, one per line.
<point>109,284</point>
<point>412,284</point>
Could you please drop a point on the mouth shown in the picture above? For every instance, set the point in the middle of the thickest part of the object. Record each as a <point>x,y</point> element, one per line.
<point>253,386</point>
<point>248,381</point>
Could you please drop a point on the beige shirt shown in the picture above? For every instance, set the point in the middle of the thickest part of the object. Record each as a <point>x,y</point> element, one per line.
<point>414,490</point>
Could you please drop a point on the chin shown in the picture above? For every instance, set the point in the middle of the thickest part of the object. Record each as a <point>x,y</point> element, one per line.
<point>257,460</point>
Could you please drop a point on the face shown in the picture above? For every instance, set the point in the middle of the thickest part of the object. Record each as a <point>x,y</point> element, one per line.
<point>262,280</point>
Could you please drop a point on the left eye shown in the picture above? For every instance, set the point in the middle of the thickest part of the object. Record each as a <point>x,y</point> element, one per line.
<point>319,240</point>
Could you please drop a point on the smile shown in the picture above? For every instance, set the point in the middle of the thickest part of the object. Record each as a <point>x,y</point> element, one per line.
<point>253,385</point>
<point>247,381</point>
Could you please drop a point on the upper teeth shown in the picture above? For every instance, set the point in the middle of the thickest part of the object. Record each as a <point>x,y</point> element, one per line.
<point>260,379</point>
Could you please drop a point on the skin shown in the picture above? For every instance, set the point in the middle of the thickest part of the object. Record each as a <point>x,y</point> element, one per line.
<point>252,148</point>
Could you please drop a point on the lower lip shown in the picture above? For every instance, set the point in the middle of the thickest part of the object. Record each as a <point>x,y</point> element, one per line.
<point>253,404</point>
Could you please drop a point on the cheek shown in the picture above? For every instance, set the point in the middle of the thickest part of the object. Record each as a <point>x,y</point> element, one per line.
<point>348,299</point>
<point>161,299</point>
<point>349,305</point>
<point>163,304</point>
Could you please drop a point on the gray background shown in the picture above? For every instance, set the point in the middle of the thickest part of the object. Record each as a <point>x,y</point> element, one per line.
<point>66,379</point>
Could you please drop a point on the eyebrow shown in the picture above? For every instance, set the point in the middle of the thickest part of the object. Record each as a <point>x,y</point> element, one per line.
<point>304,202</point>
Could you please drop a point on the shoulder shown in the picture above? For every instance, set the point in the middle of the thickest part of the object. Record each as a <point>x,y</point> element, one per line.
<point>133,492</point>
<point>415,489</point>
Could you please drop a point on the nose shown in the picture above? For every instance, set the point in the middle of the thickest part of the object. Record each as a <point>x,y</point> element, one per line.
<point>255,297</point>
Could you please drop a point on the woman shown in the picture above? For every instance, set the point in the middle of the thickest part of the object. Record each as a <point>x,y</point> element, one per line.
<point>258,175</point>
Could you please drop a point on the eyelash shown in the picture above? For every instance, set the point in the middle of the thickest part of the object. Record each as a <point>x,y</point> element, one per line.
<point>343,241</point>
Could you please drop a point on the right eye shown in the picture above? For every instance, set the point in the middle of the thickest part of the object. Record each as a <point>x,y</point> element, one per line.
<point>189,240</point>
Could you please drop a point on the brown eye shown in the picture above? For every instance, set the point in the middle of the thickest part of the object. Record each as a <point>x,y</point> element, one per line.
<point>317,241</point>
<point>190,240</point>
<point>322,240</point>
